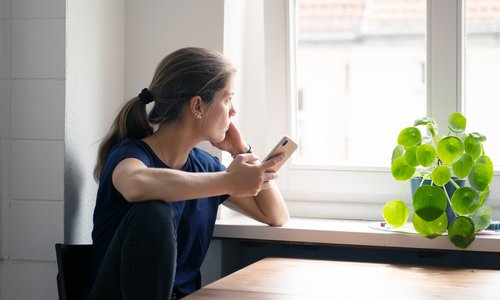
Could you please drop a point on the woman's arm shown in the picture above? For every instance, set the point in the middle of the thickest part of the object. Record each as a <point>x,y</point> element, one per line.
<point>267,207</point>
<point>136,182</point>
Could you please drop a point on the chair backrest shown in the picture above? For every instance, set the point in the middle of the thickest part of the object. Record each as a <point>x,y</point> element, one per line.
<point>73,264</point>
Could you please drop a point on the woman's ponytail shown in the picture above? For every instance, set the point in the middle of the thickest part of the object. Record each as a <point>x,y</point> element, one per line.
<point>131,122</point>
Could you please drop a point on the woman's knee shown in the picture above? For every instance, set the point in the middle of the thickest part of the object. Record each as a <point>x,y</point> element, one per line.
<point>153,217</point>
<point>149,252</point>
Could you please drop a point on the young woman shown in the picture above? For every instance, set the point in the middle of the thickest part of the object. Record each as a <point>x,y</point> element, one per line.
<point>158,194</point>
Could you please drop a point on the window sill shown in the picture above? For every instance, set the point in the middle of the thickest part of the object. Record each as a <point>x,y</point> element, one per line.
<point>341,232</point>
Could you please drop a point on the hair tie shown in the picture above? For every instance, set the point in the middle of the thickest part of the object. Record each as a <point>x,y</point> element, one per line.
<point>146,96</point>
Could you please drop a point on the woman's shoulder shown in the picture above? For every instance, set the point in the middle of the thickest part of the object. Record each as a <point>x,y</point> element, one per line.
<point>131,148</point>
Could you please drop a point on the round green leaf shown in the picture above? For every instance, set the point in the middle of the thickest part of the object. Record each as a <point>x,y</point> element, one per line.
<point>480,177</point>
<point>426,155</point>
<point>397,152</point>
<point>429,122</point>
<point>472,147</point>
<point>457,122</point>
<point>463,166</point>
<point>430,229</point>
<point>409,136</point>
<point>461,232</point>
<point>411,156</point>
<point>465,200</point>
<point>482,218</point>
<point>478,136</point>
<point>483,195</point>
<point>423,121</point>
<point>429,202</point>
<point>450,149</point>
<point>441,175</point>
<point>396,213</point>
<point>483,159</point>
<point>400,169</point>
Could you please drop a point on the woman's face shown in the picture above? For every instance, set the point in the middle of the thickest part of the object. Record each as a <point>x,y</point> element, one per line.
<point>219,112</point>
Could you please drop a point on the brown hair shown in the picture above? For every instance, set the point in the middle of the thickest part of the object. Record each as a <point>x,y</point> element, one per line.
<point>181,75</point>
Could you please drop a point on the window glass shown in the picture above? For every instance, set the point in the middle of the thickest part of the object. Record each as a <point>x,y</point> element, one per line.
<point>360,78</point>
<point>482,72</point>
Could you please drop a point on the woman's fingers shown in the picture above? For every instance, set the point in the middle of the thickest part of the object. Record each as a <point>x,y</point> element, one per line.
<point>250,176</point>
<point>248,158</point>
<point>268,164</point>
<point>268,176</point>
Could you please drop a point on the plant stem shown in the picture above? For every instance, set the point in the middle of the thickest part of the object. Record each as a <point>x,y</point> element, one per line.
<point>401,191</point>
<point>454,183</point>
<point>424,178</point>
<point>449,200</point>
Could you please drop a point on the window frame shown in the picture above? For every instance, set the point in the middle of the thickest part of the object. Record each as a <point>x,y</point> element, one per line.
<point>355,192</point>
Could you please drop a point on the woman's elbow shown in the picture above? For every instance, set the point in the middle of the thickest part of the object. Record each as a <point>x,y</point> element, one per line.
<point>132,194</point>
<point>131,190</point>
<point>279,221</point>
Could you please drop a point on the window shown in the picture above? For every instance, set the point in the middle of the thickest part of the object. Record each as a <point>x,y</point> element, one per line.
<point>482,91</point>
<point>354,60</point>
<point>354,74</point>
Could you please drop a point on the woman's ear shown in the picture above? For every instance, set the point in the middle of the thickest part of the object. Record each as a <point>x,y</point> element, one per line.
<point>196,107</point>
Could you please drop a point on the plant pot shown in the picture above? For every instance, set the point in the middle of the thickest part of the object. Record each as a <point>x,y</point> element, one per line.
<point>450,189</point>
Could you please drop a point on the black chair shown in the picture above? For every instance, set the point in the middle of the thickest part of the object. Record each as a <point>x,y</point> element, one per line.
<point>73,263</point>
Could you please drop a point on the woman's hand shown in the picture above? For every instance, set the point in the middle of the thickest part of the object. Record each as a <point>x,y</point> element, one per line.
<point>256,195</point>
<point>233,142</point>
<point>248,176</point>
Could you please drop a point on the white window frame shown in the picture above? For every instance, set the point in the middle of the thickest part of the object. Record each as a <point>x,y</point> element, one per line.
<point>353,192</point>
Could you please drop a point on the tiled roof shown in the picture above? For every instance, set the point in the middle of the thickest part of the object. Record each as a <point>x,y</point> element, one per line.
<point>483,15</point>
<point>377,17</point>
<point>323,15</point>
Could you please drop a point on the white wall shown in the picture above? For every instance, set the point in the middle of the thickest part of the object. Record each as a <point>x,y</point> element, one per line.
<point>95,61</point>
<point>155,28</point>
<point>32,145</point>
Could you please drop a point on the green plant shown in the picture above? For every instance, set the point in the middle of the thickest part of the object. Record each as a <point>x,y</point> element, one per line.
<point>439,161</point>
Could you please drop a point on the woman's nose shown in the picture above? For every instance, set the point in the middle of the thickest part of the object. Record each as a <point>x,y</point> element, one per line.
<point>232,111</point>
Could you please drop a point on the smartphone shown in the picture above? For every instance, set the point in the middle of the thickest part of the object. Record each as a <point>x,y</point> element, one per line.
<point>285,145</point>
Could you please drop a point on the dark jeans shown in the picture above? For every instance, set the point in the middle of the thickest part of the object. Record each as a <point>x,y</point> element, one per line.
<point>141,258</point>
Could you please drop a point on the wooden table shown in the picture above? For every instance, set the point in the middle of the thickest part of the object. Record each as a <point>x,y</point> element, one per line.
<point>283,278</point>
